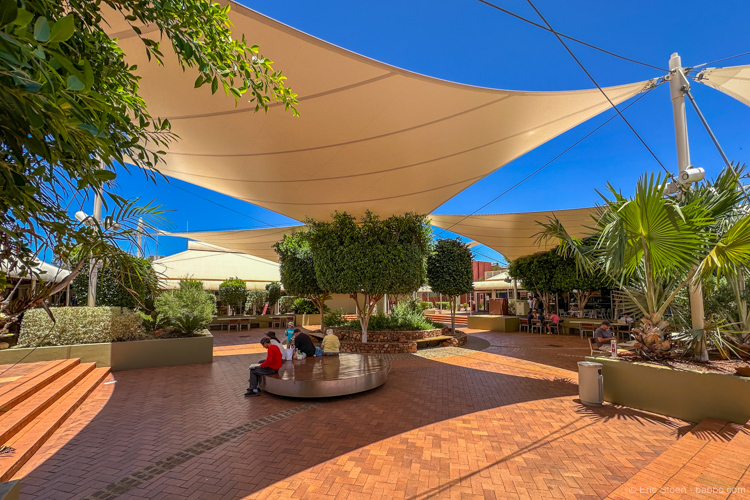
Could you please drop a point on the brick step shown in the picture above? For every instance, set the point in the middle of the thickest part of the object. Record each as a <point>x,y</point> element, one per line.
<point>657,473</point>
<point>685,479</point>
<point>33,436</point>
<point>726,470</point>
<point>21,415</point>
<point>31,383</point>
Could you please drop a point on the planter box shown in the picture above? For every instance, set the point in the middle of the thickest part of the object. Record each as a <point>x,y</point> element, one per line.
<point>306,319</point>
<point>688,395</point>
<point>122,355</point>
<point>494,323</point>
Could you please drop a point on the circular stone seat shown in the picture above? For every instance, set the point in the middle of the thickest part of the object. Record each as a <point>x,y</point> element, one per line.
<point>328,376</point>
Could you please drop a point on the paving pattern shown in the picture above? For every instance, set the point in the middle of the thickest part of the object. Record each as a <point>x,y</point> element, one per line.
<point>502,422</point>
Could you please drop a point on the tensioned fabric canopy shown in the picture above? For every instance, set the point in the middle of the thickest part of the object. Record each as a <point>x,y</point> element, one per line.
<point>370,136</point>
<point>514,235</point>
<point>256,242</point>
<point>733,81</point>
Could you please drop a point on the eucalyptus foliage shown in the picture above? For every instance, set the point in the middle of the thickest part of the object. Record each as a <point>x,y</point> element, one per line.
<point>274,293</point>
<point>449,272</point>
<point>369,257</point>
<point>70,110</point>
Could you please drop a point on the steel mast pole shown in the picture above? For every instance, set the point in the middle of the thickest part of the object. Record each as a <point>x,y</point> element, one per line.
<point>678,86</point>
<point>93,267</point>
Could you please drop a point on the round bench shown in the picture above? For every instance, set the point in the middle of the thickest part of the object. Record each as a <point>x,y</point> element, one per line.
<point>328,376</point>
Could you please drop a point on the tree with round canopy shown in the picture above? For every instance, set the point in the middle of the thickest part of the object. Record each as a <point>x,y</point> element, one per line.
<point>449,272</point>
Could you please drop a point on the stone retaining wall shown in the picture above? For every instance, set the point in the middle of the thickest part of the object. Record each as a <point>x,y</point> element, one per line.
<point>388,342</point>
<point>346,335</point>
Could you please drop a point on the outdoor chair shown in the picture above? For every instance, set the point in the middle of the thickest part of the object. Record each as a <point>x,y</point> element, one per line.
<point>524,326</point>
<point>555,328</point>
<point>536,326</point>
<point>595,349</point>
<point>587,327</point>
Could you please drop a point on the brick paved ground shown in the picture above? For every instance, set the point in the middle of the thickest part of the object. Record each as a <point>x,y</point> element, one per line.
<point>499,423</point>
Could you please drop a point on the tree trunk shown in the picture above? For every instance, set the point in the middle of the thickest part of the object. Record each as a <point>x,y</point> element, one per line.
<point>702,355</point>
<point>453,316</point>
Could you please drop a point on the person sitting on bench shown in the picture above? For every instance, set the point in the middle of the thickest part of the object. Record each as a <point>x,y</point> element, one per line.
<point>269,367</point>
<point>604,336</point>
<point>303,343</point>
<point>331,343</point>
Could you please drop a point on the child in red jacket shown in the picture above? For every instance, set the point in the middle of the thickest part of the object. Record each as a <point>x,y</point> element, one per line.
<point>270,366</point>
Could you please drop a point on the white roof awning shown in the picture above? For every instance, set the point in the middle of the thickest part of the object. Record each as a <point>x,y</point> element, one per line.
<point>514,235</point>
<point>370,136</point>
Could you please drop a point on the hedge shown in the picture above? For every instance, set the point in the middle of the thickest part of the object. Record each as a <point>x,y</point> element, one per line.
<point>79,325</point>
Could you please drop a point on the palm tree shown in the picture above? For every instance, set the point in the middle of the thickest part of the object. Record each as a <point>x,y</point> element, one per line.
<point>654,246</point>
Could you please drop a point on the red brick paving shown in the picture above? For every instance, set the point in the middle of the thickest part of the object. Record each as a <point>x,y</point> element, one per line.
<point>502,423</point>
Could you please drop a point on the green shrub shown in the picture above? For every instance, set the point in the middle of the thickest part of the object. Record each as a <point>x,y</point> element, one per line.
<point>232,293</point>
<point>128,286</point>
<point>256,299</point>
<point>286,304</point>
<point>406,315</point>
<point>79,325</point>
<point>304,306</point>
<point>191,283</point>
<point>426,305</point>
<point>335,318</point>
<point>179,305</point>
<point>274,293</point>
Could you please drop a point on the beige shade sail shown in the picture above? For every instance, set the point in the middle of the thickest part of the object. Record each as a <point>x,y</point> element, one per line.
<point>514,235</point>
<point>733,81</point>
<point>256,242</point>
<point>370,136</point>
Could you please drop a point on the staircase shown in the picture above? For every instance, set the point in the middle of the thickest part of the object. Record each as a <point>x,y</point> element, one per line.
<point>710,461</point>
<point>37,404</point>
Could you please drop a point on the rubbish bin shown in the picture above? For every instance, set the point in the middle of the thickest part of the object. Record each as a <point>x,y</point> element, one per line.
<point>590,383</point>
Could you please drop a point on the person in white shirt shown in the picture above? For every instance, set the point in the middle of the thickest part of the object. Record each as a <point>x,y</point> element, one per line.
<point>627,318</point>
<point>275,341</point>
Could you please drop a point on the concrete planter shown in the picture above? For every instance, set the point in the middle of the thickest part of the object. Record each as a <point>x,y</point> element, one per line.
<point>494,323</point>
<point>688,395</point>
<point>306,319</point>
<point>123,355</point>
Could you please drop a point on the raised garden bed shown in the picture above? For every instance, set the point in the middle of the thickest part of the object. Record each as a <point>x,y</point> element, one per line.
<point>390,342</point>
<point>122,355</point>
<point>685,394</point>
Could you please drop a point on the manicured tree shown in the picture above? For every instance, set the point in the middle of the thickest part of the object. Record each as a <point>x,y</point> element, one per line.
<point>449,272</point>
<point>538,273</point>
<point>274,293</point>
<point>256,299</point>
<point>298,271</point>
<point>369,257</point>
<point>232,293</point>
<point>583,283</point>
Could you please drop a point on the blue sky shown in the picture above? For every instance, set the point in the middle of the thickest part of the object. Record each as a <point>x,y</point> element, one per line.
<point>468,42</point>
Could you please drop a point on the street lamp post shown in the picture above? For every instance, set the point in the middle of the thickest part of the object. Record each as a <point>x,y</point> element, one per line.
<point>93,262</point>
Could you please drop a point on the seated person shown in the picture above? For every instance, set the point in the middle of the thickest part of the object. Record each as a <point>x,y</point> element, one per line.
<point>274,341</point>
<point>604,336</point>
<point>303,343</point>
<point>530,317</point>
<point>628,319</point>
<point>553,319</point>
<point>270,366</point>
<point>331,343</point>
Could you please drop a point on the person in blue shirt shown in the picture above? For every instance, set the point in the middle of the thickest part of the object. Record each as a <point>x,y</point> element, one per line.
<point>289,332</point>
